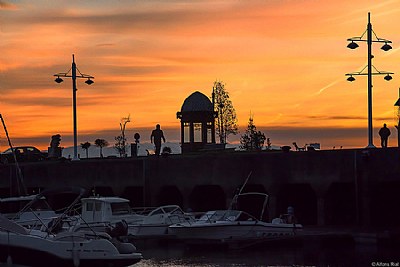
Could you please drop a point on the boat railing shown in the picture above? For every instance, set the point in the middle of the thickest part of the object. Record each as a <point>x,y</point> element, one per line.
<point>142,210</point>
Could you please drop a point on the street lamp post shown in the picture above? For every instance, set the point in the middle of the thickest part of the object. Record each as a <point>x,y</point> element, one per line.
<point>353,45</point>
<point>397,105</point>
<point>122,126</point>
<point>72,74</point>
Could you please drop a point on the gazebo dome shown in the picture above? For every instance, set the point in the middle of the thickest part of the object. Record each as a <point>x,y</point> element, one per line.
<point>197,102</point>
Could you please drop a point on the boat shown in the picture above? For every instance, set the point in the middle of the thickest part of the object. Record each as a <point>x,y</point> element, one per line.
<point>98,213</point>
<point>31,211</point>
<point>19,245</point>
<point>234,227</point>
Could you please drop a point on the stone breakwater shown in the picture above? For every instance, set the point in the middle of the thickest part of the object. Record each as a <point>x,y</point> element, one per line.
<point>329,187</point>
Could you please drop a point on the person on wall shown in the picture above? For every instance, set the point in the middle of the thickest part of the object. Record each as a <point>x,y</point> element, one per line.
<point>384,133</point>
<point>157,135</point>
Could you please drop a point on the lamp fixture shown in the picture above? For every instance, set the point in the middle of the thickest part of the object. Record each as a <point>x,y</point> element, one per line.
<point>89,81</point>
<point>388,77</point>
<point>58,80</point>
<point>352,45</point>
<point>386,47</point>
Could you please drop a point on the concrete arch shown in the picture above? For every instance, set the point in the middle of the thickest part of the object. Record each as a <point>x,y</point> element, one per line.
<point>260,188</point>
<point>4,192</point>
<point>135,195</point>
<point>253,204</point>
<point>340,204</point>
<point>304,200</point>
<point>384,204</point>
<point>207,197</point>
<point>169,195</point>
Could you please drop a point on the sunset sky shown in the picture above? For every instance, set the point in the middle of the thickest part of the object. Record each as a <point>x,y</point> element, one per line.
<point>284,61</point>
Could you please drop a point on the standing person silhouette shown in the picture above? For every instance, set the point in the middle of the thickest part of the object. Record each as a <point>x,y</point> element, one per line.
<point>156,135</point>
<point>384,133</point>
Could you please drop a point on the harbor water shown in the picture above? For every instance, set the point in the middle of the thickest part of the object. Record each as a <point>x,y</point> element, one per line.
<point>305,254</point>
<point>295,255</point>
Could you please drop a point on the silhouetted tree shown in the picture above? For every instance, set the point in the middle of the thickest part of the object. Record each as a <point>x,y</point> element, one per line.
<point>86,146</point>
<point>120,145</point>
<point>226,123</point>
<point>101,143</point>
<point>252,139</point>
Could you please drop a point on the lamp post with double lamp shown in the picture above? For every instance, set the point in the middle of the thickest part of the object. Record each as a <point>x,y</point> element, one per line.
<point>72,73</point>
<point>397,112</point>
<point>353,45</point>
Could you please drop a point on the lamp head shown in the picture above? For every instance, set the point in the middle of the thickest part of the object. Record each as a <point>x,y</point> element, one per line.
<point>58,80</point>
<point>388,77</point>
<point>352,45</point>
<point>386,47</point>
<point>89,81</point>
<point>351,79</point>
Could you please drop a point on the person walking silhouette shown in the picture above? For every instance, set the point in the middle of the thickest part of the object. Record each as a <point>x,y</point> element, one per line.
<point>157,135</point>
<point>384,133</point>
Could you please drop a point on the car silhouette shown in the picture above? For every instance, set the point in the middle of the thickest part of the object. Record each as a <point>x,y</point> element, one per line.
<point>23,154</point>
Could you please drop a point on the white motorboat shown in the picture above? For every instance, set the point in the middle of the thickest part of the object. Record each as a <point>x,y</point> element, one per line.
<point>30,211</point>
<point>233,226</point>
<point>98,213</point>
<point>37,248</point>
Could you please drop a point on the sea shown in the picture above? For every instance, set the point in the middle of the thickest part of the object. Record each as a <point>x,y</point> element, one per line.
<point>297,255</point>
<point>303,254</point>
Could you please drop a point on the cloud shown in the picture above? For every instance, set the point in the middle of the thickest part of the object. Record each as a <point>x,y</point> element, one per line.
<point>320,91</point>
<point>7,6</point>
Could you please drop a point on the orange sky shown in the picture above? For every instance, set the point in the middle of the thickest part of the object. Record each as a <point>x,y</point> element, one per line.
<point>283,61</point>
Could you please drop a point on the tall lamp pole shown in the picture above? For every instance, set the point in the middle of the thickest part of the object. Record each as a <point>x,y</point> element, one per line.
<point>397,105</point>
<point>72,73</point>
<point>369,32</point>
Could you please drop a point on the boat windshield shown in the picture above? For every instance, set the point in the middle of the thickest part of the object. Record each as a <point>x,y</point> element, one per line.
<point>213,216</point>
<point>173,210</point>
<point>120,208</point>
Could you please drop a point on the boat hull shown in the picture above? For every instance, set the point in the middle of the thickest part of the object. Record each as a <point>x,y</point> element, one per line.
<point>36,251</point>
<point>220,232</point>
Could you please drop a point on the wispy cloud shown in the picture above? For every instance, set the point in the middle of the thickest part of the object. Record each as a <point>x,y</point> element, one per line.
<point>320,91</point>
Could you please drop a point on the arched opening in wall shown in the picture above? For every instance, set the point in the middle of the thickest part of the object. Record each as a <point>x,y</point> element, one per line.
<point>103,191</point>
<point>252,188</point>
<point>58,201</point>
<point>135,195</point>
<point>302,198</point>
<point>384,204</point>
<point>169,195</point>
<point>207,197</point>
<point>254,203</point>
<point>4,192</point>
<point>340,204</point>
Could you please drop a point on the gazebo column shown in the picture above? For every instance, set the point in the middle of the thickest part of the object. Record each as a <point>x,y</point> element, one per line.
<point>182,132</point>
<point>204,132</point>
<point>213,131</point>
<point>191,132</point>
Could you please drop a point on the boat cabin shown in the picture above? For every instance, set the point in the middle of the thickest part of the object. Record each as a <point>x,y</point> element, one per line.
<point>104,209</point>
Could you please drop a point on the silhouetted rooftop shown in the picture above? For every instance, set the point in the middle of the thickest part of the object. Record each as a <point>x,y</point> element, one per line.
<point>197,102</point>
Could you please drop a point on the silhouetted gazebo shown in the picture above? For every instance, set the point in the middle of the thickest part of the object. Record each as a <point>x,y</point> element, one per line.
<point>197,117</point>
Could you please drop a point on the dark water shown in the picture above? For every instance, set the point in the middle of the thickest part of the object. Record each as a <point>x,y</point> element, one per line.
<point>303,254</point>
<point>309,254</point>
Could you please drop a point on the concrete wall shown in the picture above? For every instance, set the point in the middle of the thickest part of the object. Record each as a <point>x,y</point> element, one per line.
<point>325,187</point>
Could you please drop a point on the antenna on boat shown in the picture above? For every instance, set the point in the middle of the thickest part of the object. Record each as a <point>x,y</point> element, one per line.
<point>20,179</point>
<point>245,182</point>
<point>235,197</point>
